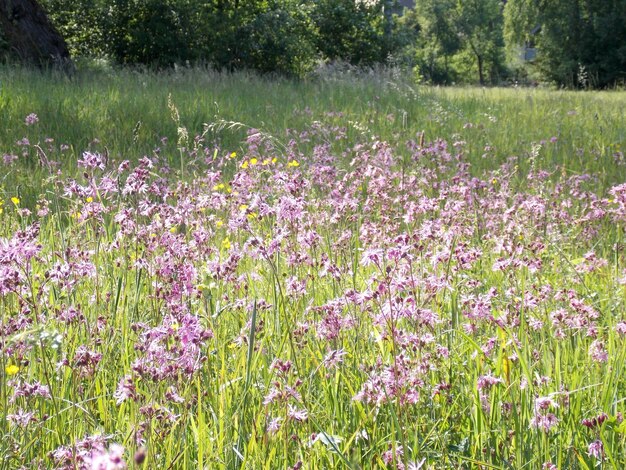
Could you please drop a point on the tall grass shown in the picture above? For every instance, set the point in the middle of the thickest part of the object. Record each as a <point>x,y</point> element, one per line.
<point>351,272</point>
<point>127,111</point>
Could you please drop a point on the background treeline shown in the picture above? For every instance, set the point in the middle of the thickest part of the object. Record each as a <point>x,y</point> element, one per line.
<point>573,43</point>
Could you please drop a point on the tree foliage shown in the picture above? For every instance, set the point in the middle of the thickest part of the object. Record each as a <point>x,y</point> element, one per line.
<point>581,43</point>
<point>460,39</point>
<point>351,31</point>
<point>287,36</point>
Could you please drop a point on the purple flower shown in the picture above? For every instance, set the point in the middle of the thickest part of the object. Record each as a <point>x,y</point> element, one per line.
<point>487,381</point>
<point>597,351</point>
<point>9,158</point>
<point>545,422</point>
<point>274,425</point>
<point>111,459</point>
<point>297,415</point>
<point>21,418</point>
<point>596,421</point>
<point>334,358</point>
<point>92,160</point>
<point>31,119</point>
<point>416,465</point>
<point>26,390</point>
<point>125,390</point>
<point>596,449</point>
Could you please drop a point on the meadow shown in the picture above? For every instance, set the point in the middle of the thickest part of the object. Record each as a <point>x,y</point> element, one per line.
<point>206,270</point>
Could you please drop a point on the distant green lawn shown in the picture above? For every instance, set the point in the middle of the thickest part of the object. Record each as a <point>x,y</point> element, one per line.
<point>128,112</point>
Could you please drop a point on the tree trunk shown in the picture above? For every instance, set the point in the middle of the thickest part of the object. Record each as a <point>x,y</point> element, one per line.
<point>479,59</point>
<point>481,73</point>
<point>31,36</point>
<point>388,24</point>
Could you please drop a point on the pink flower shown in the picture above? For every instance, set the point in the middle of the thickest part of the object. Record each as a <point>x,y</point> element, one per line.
<point>125,390</point>
<point>416,465</point>
<point>297,415</point>
<point>274,425</point>
<point>544,403</point>
<point>595,421</point>
<point>487,381</point>
<point>31,119</point>
<point>544,422</point>
<point>26,390</point>
<point>92,160</point>
<point>22,418</point>
<point>107,460</point>
<point>334,358</point>
<point>596,449</point>
<point>597,351</point>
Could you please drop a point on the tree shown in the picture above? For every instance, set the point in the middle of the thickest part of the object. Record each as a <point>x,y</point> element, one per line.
<point>82,23</point>
<point>150,32</point>
<point>281,40</point>
<point>30,35</point>
<point>580,43</point>
<point>479,26</point>
<point>459,37</point>
<point>352,31</point>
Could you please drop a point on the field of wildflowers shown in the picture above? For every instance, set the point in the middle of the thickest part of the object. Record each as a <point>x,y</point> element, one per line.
<point>361,289</point>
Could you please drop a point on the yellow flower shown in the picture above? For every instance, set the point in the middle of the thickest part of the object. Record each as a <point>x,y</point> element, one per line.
<point>219,223</point>
<point>233,154</point>
<point>506,368</point>
<point>244,165</point>
<point>253,161</point>
<point>11,369</point>
<point>293,163</point>
<point>252,215</point>
<point>267,161</point>
<point>243,207</point>
<point>15,200</point>
<point>89,199</point>
<point>226,244</point>
<point>274,160</point>
<point>173,229</point>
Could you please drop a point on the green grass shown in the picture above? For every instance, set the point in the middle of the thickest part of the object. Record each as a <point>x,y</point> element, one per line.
<point>159,254</point>
<point>128,111</point>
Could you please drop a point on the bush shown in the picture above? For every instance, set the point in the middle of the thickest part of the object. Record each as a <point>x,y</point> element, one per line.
<point>350,31</point>
<point>281,40</point>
